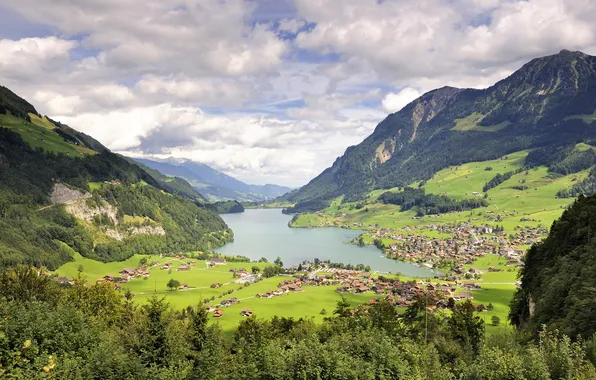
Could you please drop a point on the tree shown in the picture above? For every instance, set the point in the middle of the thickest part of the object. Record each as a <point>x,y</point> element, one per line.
<point>367,268</point>
<point>255,269</point>
<point>495,320</point>
<point>278,262</point>
<point>490,307</point>
<point>263,260</point>
<point>466,327</point>
<point>80,269</point>
<point>343,307</point>
<point>323,311</point>
<point>143,262</point>
<point>173,284</point>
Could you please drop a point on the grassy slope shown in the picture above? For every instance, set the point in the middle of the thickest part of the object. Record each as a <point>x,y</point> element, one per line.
<point>40,134</point>
<point>538,202</point>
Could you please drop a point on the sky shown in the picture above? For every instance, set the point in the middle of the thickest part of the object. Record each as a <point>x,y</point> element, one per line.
<point>268,91</point>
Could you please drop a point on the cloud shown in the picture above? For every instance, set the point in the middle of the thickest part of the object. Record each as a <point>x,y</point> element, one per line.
<point>29,57</point>
<point>269,91</point>
<point>393,102</point>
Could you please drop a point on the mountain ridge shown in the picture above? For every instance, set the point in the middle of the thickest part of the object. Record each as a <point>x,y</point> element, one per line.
<point>543,104</point>
<point>213,183</point>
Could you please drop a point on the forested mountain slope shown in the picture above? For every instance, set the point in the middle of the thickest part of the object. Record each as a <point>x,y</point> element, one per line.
<point>549,103</point>
<point>559,276</point>
<point>60,191</point>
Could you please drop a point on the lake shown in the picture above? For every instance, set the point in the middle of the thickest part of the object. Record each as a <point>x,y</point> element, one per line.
<point>265,233</point>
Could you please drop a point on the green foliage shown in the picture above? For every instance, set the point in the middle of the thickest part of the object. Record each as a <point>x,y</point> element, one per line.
<point>429,203</point>
<point>500,178</point>
<point>584,187</point>
<point>558,275</point>
<point>227,207</point>
<point>173,284</point>
<point>96,332</point>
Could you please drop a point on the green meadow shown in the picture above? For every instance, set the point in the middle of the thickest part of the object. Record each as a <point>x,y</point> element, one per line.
<point>40,134</point>
<point>311,302</point>
<point>537,204</point>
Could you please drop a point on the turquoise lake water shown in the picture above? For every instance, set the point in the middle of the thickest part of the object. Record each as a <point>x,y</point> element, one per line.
<point>265,233</point>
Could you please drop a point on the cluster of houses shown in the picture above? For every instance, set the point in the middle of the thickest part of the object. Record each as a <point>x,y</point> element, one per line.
<point>466,244</point>
<point>181,268</point>
<point>125,275</point>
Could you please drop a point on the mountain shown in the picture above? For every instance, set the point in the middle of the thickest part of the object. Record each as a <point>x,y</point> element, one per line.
<point>63,192</point>
<point>550,104</point>
<point>557,280</point>
<point>175,185</point>
<point>214,184</point>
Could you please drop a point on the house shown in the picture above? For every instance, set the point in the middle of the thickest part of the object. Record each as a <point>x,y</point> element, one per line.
<point>216,285</point>
<point>166,266</point>
<point>183,267</point>
<point>246,312</point>
<point>183,286</point>
<point>278,292</point>
<point>68,281</point>
<point>471,286</point>
<point>130,272</point>
<point>217,313</point>
<point>218,261</point>
<point>463,296</point>
<point>362,289</point>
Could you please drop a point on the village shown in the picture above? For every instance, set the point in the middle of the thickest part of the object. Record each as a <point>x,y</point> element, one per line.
<point>466,244</point>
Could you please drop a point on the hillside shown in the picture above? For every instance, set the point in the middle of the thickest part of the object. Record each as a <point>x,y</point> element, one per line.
<point>61,191</point>
<point>214,184</point>
<point>557,281</point>
<point>548,105</point>
<point>175,185</point>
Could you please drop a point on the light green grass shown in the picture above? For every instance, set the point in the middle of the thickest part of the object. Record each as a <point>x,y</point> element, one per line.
<point>39,135</point>
<point>471,123</point>
<point>588,119</point>
<point>538,202</point>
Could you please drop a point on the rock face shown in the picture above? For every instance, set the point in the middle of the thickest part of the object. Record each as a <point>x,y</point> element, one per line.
<point>63,194</point>
<point>76,204</point>
<point>81,210</point>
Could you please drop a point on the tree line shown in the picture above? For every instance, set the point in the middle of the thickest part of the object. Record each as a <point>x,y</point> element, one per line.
<point>98,332</point>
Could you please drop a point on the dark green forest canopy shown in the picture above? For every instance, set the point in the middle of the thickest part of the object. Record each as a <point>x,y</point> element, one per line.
<point>559,276</point>
<point>97,332</point>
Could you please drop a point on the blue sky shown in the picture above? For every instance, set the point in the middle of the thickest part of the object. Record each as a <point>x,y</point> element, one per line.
<point>269,91</point>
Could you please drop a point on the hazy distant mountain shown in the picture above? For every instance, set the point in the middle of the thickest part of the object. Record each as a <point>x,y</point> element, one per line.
<point>548,105</point>
<point>214,184</point>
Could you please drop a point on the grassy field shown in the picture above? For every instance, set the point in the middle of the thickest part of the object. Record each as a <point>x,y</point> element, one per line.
<point>39,134</point>
<point>199,278</point>
<point>497,288</point>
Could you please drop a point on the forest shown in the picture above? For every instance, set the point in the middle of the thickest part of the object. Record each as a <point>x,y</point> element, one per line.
<point>558,276</point>
<point>428,204</point>
<point>84,331</point>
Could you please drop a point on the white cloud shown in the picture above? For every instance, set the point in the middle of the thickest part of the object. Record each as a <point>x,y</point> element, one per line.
<point>30,57</point>
<point>393,102</point>
<point>201,79</point>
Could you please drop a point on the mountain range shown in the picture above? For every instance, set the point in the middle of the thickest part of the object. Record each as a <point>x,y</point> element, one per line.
<point>213,184</point>
<point>548,105</point>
